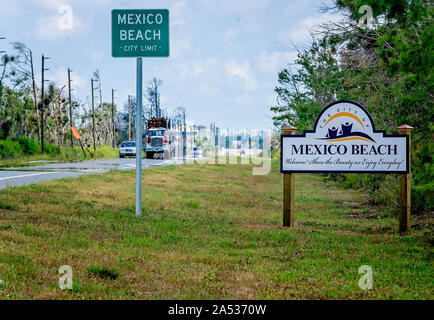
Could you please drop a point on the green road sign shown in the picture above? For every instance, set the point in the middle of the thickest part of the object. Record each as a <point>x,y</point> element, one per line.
<point>140,33</point>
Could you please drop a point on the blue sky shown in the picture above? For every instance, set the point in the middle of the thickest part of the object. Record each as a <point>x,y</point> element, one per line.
<point>225,55</point>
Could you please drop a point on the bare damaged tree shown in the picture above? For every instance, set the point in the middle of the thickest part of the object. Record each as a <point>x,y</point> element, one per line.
<point>26,58</point>
<point>153,96</point>
<point>97,77</point>
<point>6,63</point>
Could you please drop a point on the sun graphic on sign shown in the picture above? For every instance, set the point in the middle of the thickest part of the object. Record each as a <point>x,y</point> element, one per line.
<point>345,131</point>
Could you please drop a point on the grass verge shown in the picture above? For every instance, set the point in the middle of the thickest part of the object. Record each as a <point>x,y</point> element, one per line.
<point>62,154</point>
<point>208,232</point>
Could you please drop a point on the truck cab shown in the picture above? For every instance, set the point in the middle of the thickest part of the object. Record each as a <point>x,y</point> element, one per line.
<point>158,144</point>
<point>158,140</point>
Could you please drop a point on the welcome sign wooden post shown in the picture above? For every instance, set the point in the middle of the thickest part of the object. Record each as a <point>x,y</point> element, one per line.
<point>344,140</point>
<point>288,188</point>
<point>405,187</point>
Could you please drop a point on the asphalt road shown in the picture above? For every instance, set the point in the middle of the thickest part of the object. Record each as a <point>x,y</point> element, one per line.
<point>33,174</point>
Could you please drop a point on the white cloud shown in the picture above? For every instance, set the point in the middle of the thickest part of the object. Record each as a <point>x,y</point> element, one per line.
<point>301,33</point>
<point>231,33</point>
<point>55,4</point>
<point>47,28</point>
<point>274,61</point>
<point>164,100</point>
<point>96,56</point>
<point>60,77</point>
<point>178,47</point>
<point>9,7</point>
<point>242,71</point>
<point>198,67</point>
<point>235,6</point>
<point>207,89</point>
<point>178,14</point>
<point>195,70</point>
<point>294,7</point>
<point>229,37</point>
<point>244,102</point>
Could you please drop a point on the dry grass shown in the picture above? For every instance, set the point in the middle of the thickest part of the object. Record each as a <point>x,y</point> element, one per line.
<point>208,232</point>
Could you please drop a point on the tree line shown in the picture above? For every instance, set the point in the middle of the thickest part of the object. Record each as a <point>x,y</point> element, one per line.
<point>385,64</point>
<point>46,116</point>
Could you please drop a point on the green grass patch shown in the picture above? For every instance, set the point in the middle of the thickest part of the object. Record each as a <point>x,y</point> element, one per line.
<point>207,232</point>
<point>104,272</point>
<point>27,153</point>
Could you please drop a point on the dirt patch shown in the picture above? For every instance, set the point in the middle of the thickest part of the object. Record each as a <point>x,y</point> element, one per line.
<point>354,204</point>
<point>244,286</point>
<point>364,216</point>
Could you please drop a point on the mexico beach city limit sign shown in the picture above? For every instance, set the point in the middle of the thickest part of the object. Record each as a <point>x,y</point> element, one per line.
<point>140,33</point>
<point>344,139</point>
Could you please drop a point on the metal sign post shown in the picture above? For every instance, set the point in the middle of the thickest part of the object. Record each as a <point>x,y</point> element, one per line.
<point>139,139</point>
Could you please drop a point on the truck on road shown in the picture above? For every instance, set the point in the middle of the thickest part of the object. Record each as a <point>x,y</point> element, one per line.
<point>159,139</point>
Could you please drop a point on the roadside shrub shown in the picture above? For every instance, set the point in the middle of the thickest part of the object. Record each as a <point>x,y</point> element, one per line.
<point>383,189</point>
<point>422,198</point>
<point>275,154</point>
<point>350,181</point>
<point>10,149</point>
<point>106,152</point>
<point>386,191</point>
<point>68,153</point>
<point>29,146</point>
<point>51,149</point>
<point>422,158</point>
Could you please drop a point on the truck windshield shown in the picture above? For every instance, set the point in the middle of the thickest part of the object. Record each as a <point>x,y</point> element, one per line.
<point>128,144</point>
<point>154,133</point>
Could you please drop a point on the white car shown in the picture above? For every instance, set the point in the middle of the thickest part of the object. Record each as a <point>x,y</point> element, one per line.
<point>127,148</point>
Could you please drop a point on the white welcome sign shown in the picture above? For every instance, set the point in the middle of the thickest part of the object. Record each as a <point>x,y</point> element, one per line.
<point>344,139</point>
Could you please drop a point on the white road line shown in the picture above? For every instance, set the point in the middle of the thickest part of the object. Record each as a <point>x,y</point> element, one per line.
<point>28,175</point>
<point>159,164</point>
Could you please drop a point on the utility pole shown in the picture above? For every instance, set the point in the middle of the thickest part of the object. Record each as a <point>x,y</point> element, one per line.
<point>35,96</point>
<point>1,82</point>
<point>93,114</point>
<point>113,117</point>
<point>43,102</point>
<point>100,110</point>
<point>157,104</point>
<point>70,106</point>
<point>129,118</point>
